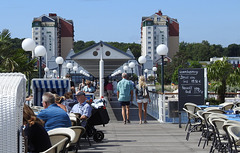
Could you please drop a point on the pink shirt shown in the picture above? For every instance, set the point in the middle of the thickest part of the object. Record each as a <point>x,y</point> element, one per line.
<point>109,86</point>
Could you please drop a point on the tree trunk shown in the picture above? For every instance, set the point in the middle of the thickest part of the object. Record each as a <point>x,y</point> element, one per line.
<point>222,92</point>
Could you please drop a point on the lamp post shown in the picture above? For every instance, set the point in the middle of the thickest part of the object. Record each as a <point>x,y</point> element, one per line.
<point>40,51</point>
<point>154,73</point>
<point>75,68</point>
<point>132,65</point>
<point>146,72</point>
<point>162,50</point>
<point>28,45</point>
<point>119,72</point>
<point>46,70</point>
<point>69,66</point>
<point>59,60</point>
<point>54,73</point>
<point>142,60</point>
<point>125,68</point>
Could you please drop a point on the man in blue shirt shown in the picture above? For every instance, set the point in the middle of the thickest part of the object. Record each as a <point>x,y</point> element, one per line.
<point>82,107</point>
<point>52,114</point>
<point>125,95</point>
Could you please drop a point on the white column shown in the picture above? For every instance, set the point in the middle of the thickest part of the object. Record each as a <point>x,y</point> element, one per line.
<point>101,78</point>
<point>205,84</point>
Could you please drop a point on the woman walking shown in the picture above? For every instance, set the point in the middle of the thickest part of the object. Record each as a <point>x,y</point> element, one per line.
<point>142,96</point>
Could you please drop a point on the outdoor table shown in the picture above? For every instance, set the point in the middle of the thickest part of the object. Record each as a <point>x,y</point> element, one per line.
<point>234,117</point>
<point>206,106</point>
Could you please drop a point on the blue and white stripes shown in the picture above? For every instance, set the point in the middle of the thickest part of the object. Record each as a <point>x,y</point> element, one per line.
<point>39,86</point>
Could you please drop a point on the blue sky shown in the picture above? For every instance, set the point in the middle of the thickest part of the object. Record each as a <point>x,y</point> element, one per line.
<point>216,21</point>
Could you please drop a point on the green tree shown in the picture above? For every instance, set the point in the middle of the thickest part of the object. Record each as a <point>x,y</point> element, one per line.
<point>12,57</point>
<point>233,50</point>
<point>218,74</point>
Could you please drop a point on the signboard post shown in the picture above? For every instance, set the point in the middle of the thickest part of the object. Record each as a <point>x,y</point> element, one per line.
<point>190,86</point>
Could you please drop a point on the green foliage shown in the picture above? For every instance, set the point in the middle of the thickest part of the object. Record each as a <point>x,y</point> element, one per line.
<point>151,78</point>
<point>213,101</point>
<point>218,74</point>
<point>12,57</point>
<point>81,45</point>
<point>233,50</point>
<point>234,78</point>
<point>194,64</point>
<point>134,77</point>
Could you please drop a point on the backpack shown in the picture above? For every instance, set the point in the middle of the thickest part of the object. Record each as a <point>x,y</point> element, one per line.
<point>142,93</point>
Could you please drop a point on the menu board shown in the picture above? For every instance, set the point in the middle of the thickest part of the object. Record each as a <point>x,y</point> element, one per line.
<point>190,86</point>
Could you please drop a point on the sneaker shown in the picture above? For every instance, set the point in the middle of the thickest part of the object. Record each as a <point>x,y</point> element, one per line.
<point>128,121</point>
<point>140,122</point>
<point>145,121</point>
<point>124,122</point>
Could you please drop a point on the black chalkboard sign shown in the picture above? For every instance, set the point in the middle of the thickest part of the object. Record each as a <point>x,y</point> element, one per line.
<point>190,86</point>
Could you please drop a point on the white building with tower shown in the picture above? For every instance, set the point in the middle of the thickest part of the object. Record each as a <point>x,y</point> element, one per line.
<point>159,29</point>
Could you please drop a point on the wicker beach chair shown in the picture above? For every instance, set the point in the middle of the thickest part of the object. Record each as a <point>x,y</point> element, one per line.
<point>12,98</point>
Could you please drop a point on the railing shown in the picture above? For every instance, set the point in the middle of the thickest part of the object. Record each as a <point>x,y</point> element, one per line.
<point>158,107</point>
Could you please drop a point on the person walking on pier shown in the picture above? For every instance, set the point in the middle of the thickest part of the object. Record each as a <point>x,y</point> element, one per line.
<point>142,96</point>
<point>125,95</point>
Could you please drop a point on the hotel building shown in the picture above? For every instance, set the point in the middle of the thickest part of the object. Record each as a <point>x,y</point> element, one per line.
<point>159,29</point>
<point>55,34</point>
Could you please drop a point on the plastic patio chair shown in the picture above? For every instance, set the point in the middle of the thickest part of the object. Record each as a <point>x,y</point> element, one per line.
<point>229,138</point>
<point>54,148</point>
<point>191,110</point>
<point>234,131</point>
<point>207,131</point>
<point>193,123</point>
<point>228,106</point>
<point>220,141</point>
<point>58,134</point>
<point>79,130</point>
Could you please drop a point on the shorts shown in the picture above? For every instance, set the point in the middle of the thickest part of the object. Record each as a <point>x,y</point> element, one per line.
<point>124,103</point>
<point>109,92</point>
<point>144,100</point>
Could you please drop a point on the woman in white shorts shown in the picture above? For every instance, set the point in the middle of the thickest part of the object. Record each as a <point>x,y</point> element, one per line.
<point>142,96</point>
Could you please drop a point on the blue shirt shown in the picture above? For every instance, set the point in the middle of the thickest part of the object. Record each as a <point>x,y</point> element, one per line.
<point>54,117</point>
<point>83,109</point>
<point>124,87</point>
<point>88,89</point>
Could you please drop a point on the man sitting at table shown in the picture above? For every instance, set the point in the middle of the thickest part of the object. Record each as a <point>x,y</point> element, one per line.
<point>82,108</point>
<point>52,114</point>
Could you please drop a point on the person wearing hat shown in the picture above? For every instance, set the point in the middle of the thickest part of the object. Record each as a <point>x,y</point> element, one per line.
<point>82,108</point>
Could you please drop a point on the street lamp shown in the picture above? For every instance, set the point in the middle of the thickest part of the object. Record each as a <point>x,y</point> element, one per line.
<point>142,60</point>
<point>119,71</point>
<point>46,70</point>
<point>69,66</point>
<point>154,73</point>
<point>146,72</point>
<point>54,73</point>
<point>59,60</point>
<point>40,51</point>
<point>75,68</point>
<point>28,45</point>
<point>162,50</point>
<point>125,68</point>
<point>132,65</point>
